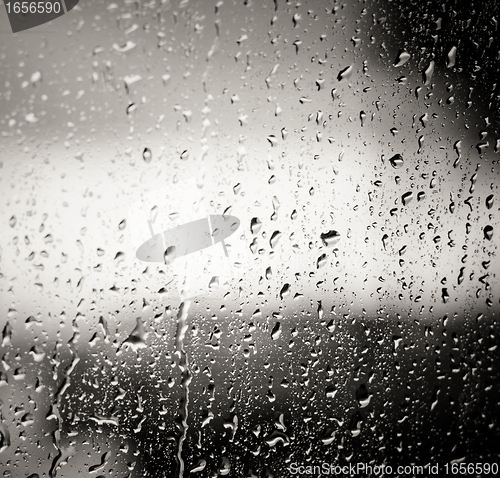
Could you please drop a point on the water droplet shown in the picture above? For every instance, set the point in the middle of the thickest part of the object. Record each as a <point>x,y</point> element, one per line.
<point>104,460</point>
<point>129,80</point>
<point>345,73</point>
<point>363,396</point>
<point>36,77</point>
<point>420,144</point>
<point>253,245</point>
<point>37,352</point>
<point>385,240</point>
<point>407,197</point>
<point>428,73</point>
<point>488,232</point>
<point>397,339</point>
<point>277,436</point>
<point>225,466</point>
<point>273,140</point>
<point>199,465</point>
<point>489,201</point>
<point>6,335</point>
<point>460,278</point>
<point>285,291</point>
<point>274,239</point>
<point>64,454</point>
<point>424,119</point>
<point>131,108</point>
<point>402,58</point>
<point>276,332</point>
<point>137,337</point>
<point>322,260</point>
<point>169,255</point>
<point>124,48</point>
<point>362,117</point>
<point>214,282</point>
<point>452,57</point>
<point>12,221</point>
<point>330,238</point>
<point>31,118</point>
<point>397,161</point>
<point>255,225</point>
<point>147,155</point>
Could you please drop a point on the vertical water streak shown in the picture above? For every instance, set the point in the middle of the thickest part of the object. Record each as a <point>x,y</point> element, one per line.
<point>185,381</point>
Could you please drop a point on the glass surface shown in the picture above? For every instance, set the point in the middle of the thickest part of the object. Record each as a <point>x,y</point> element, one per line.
<point>347,314</point>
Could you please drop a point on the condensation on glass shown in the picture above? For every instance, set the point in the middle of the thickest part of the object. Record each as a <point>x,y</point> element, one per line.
<point>352,315</point>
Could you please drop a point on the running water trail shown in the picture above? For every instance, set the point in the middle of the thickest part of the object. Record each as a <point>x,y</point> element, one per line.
<point>186,303</point>
<point>185,381</point>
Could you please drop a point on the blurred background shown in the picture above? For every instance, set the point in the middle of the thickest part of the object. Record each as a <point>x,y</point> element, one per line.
<point>356,317</point>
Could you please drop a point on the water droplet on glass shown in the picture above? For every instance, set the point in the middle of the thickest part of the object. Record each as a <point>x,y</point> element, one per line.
<point>276,437</point>
<point>396,161</point>
<point>488,232</point>
<point>424,119</point>
<point>169,255</point>
<point>385,240</point>
<point>407,197</point>
<point>137,337</point>
<point>363,397</point>
<point>345,73</point>
<point>452,57</point>
<point>362,117</point>
<point>330,238</point>
<point>225,466</point>
<point>402,58</point>
<point>199,465</point>
<point>322,260</point>
<point>420,144</point>
<point>255,225</point>
<point>460,278</point>
<point>129,45</point>
<point>274,239</point>
<point>489,201</point>
<point>36,77</point>
<point>276,332</point>
<point>147,155</point>
<point>272,140</point>
<point>285,291</point>
<point>428,73</point>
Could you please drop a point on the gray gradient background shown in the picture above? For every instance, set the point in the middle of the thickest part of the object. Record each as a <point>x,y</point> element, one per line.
<point>72,170</point>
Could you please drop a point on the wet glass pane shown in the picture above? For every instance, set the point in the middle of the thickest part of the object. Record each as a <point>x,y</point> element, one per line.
<point>250,239</point>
